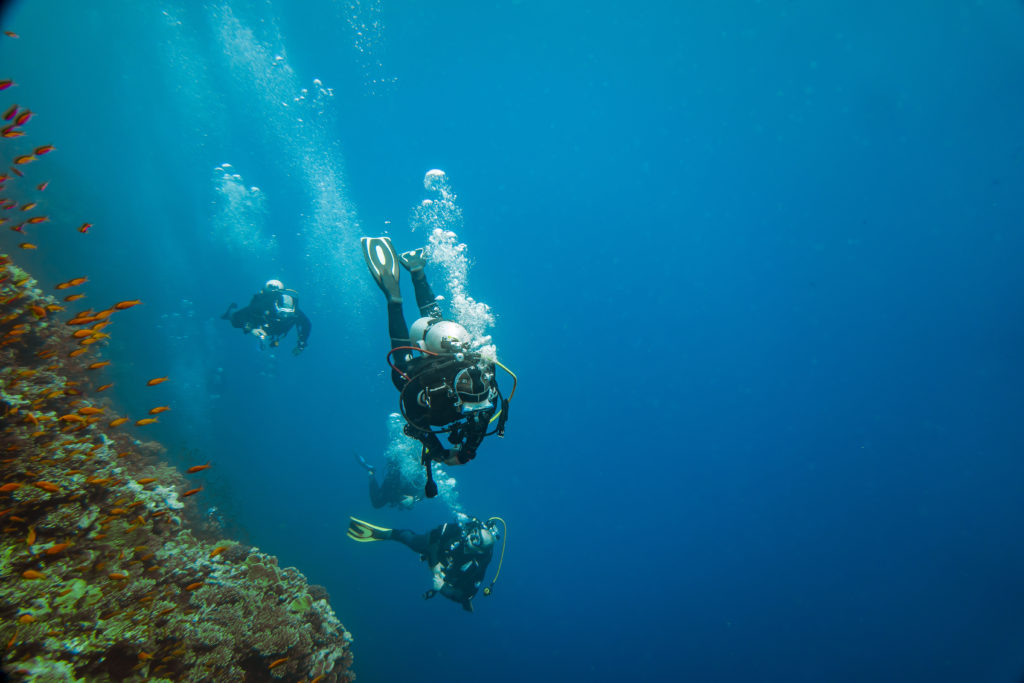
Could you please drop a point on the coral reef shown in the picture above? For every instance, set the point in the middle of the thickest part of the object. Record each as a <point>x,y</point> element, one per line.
<point>102,577</point>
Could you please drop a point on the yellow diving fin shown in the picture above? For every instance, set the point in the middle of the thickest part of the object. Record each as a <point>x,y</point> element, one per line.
<point>364,532</point>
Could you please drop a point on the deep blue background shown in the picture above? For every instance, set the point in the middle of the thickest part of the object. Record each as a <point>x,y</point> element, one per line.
<point>757,265</point>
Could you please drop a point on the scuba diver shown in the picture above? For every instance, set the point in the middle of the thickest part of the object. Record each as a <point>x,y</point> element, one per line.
<point>448,388</point>
<point>272,312</point>
<point>396,490</point>
<point>456,552</point>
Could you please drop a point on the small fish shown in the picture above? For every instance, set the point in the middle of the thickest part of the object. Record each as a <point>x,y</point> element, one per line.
<point>193,586</point>
<point>46,486</point>
<point>143,656</point>
<point>11,34</point>
<point>43,185</point>
<point>73,297</point>
<point>191,492</point>
<point>77,352</point>
<point>90,410</point>
<point>197,468</point>
<point>23,118</point>
<point>146,421</point>
<point>38,311</point>
<point>84,228</point>
<point>122,305</point>
<point>26,619</point>
<point>158,410</point>
<point>11,113</point>
<point>99,364</point>
<point>54,308</point>
<point>117,576</point>
<point>38,219</point>
<point>59,547</point>
<point>28,206</point>
<point>71,417</point>
<point>6,488</point>
<point>146,480</point>
<point>4,85</point>
<point>32,574</point>
<point>45,149</point>
<point>217,551</point>
<point>157,380</point>
<point>11,132</point>
<point>27,245</point>
<point>74,282</point>
<point>104,387</point>
<point>31,538</point>
<point>24,159</point>
<point>277,662</point>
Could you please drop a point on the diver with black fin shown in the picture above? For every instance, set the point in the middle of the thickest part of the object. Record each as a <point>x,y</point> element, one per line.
<point>270,315</point>
<point>447,388</point>
<point>394,490</point>
<point>457,553</point>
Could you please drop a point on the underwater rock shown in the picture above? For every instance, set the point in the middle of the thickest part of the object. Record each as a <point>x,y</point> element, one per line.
<point>101,576</point>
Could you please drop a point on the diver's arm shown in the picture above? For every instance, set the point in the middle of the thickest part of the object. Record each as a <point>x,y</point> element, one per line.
<point>303,326</point>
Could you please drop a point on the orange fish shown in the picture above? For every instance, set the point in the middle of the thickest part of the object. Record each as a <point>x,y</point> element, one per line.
<point>217,551</point>
<point>43,185</point>
<point>146,421</point>
<point>84,228</point>
<point>26,619</point>
<point>191,492</point>
<point>90,410</point>
<point>277,662</point>
<point>46,486</point>
<point>4,85</point>
<point>24,159</point>
<point>117,576</point>
<point>158,410</point>
<point>77,352</point>
<point>45,149</point>
<point>29,206</point>
<point>143,656</point>
<point>73,297</point>
<point>146,480</point>
<point>157,380</point>
<point>27,245</point>
<point>197,468</point>
<point>6,488</point>
<point>59,547</point>
<point>99,364</point>
<point>32,574</point>
<point>11,113</point>
<point>23,118</point>
<point>31,538</point>
<point>104,387</point>
<point>38,219</point>
<point>193,586</point>
<point>78,334</point>
<point>38,311</point>
<point>54,308</point>
<point>71,417</point>
<point>121,305</point>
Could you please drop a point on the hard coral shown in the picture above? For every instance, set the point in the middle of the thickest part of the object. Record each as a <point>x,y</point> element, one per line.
<point>100,577</point>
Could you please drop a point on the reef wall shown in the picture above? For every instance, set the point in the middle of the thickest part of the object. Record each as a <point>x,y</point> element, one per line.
<point>102,575</point>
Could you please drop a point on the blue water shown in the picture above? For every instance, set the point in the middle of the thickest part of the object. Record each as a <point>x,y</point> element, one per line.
<point>757,266</point>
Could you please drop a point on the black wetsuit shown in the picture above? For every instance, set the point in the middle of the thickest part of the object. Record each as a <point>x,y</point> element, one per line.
<point>464,569</point>
<point>432,376</point>
<point>394,490</point>
<point>262,312</point>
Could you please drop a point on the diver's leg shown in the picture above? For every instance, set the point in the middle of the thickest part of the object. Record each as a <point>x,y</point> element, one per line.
<point>419,543</point>
<point>399,332</point>
<point>377,499</point>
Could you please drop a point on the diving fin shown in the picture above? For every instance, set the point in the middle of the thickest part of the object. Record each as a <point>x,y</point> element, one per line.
<point>382,261</point>
<point>364,532</point>
<point>413,260</point>
<point>227,313</point>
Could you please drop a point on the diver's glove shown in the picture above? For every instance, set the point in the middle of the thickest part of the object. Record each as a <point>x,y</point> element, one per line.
<point>299,348</point>
<point>429,594</point>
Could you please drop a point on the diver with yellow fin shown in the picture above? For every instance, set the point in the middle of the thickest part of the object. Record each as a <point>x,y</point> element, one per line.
<point>457,553</point>
<point>444,386</point>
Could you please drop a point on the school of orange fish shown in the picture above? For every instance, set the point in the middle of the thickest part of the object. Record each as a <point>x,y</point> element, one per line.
<point>63,445</point>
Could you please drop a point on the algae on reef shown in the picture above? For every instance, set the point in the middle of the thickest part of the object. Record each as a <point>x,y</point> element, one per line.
<point>101,578</point>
